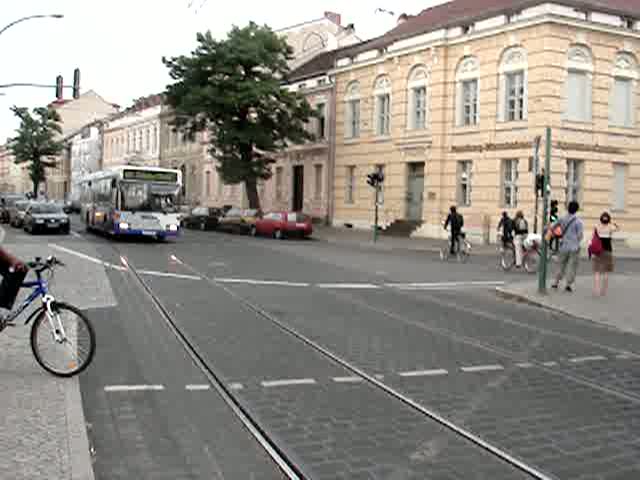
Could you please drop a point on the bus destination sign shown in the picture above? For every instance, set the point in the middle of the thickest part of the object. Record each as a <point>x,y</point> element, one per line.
<point>150,176</point>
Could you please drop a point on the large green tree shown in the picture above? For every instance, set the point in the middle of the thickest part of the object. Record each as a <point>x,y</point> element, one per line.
<point>234,89</point>
<point>36,142</point>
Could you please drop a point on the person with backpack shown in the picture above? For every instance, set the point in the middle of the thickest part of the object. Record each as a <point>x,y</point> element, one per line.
<point>572,233</point>
<point>520,230</point>
<point>457,222</point>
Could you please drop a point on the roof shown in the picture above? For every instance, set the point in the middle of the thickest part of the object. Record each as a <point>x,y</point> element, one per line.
<point>459,12</point>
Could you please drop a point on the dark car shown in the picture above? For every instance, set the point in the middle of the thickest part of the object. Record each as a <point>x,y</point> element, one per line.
<point>46,217</point>
<point>6,203</point>
<point>203,218</point>
<point>17,212</point>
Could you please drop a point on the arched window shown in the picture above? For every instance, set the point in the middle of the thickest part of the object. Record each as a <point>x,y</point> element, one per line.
<point>578,87</point>
<point>352,111</point>
<point>417,105</point>
<point>622,102</point>
<point>468,92</point>
<point>313,41</point>
<point>382,106</point>
<point>512,84</point>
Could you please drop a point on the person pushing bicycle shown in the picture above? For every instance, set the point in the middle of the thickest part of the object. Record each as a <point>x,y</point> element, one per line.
<point>457,222</point>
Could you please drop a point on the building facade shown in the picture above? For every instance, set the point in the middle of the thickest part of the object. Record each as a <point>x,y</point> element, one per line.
<point>6,159</point>
<point>449,110</point>
<point>133,135</point>
<point>74,113</point>
<point>84,150</point>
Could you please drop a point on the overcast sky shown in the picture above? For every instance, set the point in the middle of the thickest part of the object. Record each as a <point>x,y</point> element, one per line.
<point>118,44</point>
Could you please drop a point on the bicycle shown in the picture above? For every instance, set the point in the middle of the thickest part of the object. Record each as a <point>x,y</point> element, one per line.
<point>50,314</point>
<point>530,256</point>
<point>463,249</point>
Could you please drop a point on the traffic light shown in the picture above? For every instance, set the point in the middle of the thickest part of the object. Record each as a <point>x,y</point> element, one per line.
<point>539,183</point>
<point>376,178</point>
<point>76,83</point>
<point>59,86</point>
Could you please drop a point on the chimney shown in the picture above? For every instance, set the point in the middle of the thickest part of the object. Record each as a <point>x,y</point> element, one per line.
<point>402,18</point>
<point>334,17</point>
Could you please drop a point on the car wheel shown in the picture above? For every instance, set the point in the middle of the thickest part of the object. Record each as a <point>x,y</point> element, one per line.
<point>278,235</point>
<point>254,231</point>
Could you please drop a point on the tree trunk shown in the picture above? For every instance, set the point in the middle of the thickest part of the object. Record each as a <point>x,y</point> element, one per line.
<point>252,193</point>
<point>35,188</point>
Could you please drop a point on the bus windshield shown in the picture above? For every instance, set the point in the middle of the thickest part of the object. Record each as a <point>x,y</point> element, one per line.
<point>148,197</point>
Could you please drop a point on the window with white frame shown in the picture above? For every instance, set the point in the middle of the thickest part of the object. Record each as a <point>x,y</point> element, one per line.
<point>321,132</point>
<point>512,79</point>
<point>510,183</point>
<point>350,184</point>
<point>578,96</point>
<point>575,173</point>
<point>622,102</point>
<point>619,186</point>
<point>382,111</point>
<point>417,98</point>
<point>318,181</point>
<point>352,111</point>
<point>279,182</point>
<point>468,92</point>
<point>464,183</point>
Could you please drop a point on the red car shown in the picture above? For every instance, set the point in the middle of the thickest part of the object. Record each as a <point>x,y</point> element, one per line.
<point>282,224</point>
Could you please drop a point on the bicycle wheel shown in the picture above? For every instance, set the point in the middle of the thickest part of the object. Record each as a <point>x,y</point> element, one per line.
<point>507,257</point>
<point>444,254</point>
<point>65,351</point>
<point>464,253</point>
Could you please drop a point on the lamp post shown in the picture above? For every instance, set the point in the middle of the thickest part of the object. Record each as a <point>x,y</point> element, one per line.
<point>30,17</point>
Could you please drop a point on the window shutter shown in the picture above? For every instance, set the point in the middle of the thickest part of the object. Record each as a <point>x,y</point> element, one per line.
<point>525,89</point>
<point>613,103</point>
<point>348,118</point>
<point>502,97</point>
<point>588,95</point>
<point>570,95</point>
<point>459,102</point>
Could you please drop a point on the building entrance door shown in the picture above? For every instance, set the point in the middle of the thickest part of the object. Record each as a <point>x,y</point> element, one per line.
<point>415,191</point>
<point>298,188</point>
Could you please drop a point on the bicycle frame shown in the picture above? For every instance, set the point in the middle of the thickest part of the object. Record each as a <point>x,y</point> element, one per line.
<point>40,288</point>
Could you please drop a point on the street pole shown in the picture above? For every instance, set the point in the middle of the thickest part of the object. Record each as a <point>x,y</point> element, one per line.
<point>375,221</point>
<point>542,271</point>
<point>30,17</point>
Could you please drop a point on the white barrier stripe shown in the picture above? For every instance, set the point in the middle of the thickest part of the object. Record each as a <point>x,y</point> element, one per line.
<point>285,383</point>
<point>250,281</point>
<point>482,368</point>
<point>593,358</point>
<point>132,388</point>
<point>424,373</point>
<point>169,275</point>
<point>347,379</point>
<point>197,387</point>
<point>349,286</point>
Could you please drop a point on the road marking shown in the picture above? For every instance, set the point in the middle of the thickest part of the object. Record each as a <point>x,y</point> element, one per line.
<point>170,275</point>
<point>482,368</point>
<point>175,259</point>
<point>424,373</point>
<point>87,257</point>
<point>197,387</point>
<point>593,358</point>
<point>525,365</point>
<point>626,356</point>
<point>236,386</point>
<point>349,286</point>
<point>76,234</point>
<point>132,388</point>
<point>379,376</point>
<point>347,379</point>
<point>285,383</point>
<point>250,281</point>
<point>550,364</point>
<point>443,285</point>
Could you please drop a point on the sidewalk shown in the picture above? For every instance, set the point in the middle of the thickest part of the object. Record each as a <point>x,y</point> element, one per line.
<point>364,239</point>
<point>618,309</point>
<point>44,434</point>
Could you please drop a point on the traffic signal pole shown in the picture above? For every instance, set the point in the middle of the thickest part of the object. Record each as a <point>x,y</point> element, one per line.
<point>542,271</point>
<point>375,222</point>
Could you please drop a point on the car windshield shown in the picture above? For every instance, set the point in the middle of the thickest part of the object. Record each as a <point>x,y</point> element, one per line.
<point>146,197</point>
<point>46,208</point>
<point>22,206</point>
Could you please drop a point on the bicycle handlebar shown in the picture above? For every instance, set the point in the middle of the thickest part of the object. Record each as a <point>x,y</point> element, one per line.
<point>40,266</point>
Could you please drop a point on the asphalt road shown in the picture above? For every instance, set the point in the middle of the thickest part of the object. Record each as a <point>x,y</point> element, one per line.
<point>356,364</point>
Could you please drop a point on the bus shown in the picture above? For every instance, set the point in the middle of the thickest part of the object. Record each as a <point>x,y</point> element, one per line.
<point>131,200</point>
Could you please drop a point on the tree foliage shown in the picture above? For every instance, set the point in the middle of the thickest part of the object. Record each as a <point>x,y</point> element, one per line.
<point>36,141</point>
<point>234,89</point>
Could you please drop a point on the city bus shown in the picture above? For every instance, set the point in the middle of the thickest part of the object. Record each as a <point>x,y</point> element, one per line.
<point>131,200</point>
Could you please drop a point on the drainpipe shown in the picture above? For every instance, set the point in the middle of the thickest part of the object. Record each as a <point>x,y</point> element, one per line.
<point>332,151</point>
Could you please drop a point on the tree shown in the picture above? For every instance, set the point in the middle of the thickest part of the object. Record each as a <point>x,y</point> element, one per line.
<point>234,89</point>
<point>36,141</point>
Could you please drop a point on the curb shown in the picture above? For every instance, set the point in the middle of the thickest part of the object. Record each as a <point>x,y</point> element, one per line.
<point>78,440</point>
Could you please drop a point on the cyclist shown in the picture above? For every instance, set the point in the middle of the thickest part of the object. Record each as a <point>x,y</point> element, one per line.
<point>457,222</point>
<point>11,282</point>
<point>506,225</point>
<point>521,230</point>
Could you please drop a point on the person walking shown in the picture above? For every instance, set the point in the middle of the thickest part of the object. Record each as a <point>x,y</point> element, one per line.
<point>572,235</point>
<point>505,228</point>
<point>456,221</point>
<point>521,230</point>
<point>603,263</point>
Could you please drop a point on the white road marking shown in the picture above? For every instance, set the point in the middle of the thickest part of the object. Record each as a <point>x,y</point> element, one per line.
<point>625,356</point>
<point>76,234</point>
<point>349,286</point>
<point>124,261</point>
<point>525,365</point>
<point>424,373</point>
<point>249,281</point>
<point>550,364</point>
<point>169,275</point>
<point>175,259</point>
<point>285,383</point>
<point>482,368</point>
<point>236,386</point>
<point>593,358</point>
<point>87,257</point>
<point>197,387</point>
<point>443,285</point>
<point>132,388</point>
<point>347,379</point>
<point>379,376</point>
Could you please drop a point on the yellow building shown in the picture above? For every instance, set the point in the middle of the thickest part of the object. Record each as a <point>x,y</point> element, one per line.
<point>448,104</point>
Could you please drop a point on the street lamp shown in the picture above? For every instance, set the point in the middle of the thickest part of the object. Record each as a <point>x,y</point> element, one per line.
<point>30,17</point>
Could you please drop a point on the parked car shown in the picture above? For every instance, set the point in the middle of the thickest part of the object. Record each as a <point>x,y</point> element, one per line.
<point>17,212</point>
<point>237,220</point>
<point>203,218</point>
<point>8,200</point>
<point>46,217</point>
<point>283,224</point>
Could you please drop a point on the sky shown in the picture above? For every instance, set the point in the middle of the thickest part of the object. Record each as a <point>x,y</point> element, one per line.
<point>118,44</point>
